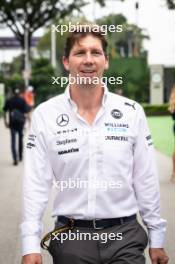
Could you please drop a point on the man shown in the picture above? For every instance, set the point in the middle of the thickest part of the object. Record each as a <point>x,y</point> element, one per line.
<point>89,134</point>
<point>17,109</point>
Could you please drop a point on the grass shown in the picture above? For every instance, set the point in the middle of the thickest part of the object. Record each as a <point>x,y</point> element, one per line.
<point>161,128</point>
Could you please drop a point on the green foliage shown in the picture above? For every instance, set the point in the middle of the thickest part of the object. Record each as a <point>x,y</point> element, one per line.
<point>14,82</point>
<point>17,64</point>
<point>130,38</point>
<point>42,73</point>
<point>113,38</point>
<point>1,96</point>
<point>2,78</point>
<point>1,104</point>
<point>156,110</point>
<point>135,75</point>
<point>41,80</point>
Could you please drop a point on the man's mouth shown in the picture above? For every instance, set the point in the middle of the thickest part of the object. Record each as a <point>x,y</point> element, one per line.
<point>87,73</point>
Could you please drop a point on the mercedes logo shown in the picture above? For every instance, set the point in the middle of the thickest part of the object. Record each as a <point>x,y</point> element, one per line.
<point>62,120</point>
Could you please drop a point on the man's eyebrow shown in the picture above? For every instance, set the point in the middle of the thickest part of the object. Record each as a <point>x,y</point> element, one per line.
<point>84,49</point>
<point>79,50</point>
<point>96,49</point>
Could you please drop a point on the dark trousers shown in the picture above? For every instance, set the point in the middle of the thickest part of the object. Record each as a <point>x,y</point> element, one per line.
<point>129,250</point>
<point>17,152</point>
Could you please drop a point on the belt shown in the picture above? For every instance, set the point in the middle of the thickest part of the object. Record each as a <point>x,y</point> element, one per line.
<point>96,223</point>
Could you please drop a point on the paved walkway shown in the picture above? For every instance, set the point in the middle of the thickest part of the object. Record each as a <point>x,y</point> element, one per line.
<point>10,205</point>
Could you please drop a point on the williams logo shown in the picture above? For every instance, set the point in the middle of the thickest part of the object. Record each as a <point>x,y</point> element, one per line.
<point>62,120</point>
<point>117,114</point>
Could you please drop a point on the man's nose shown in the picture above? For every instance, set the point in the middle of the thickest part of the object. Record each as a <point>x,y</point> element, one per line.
<point>88,58</point>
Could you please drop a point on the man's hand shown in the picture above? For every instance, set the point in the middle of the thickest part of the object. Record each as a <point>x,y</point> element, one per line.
<point>34,258</point>
<point>158,256</point>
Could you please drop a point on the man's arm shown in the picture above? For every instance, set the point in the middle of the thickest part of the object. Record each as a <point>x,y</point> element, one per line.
<point>36,187</point>
<point>146,187</point>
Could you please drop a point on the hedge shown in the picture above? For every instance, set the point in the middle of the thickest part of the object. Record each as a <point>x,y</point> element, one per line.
<point>156,110</point>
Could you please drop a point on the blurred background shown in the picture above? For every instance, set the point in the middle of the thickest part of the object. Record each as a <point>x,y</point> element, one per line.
<point>143,54</point>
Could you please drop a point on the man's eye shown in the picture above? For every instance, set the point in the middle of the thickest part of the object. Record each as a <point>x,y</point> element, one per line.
<point>96,52</point>
<point>79,53</point>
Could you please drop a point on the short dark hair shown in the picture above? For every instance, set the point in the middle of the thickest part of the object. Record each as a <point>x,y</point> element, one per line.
<point>86,29</point>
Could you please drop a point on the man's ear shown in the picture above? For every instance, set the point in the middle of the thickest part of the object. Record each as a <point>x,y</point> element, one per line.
<point>65,62</point>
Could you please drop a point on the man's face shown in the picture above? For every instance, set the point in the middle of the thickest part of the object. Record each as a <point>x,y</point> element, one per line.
<point>87,58</point>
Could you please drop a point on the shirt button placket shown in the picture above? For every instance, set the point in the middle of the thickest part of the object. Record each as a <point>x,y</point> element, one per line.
<point>92,175</point>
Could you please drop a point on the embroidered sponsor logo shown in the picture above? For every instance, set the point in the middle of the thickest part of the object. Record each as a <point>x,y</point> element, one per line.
<point>67,131</point>
<point>132,105</point>
<point>116,138</point>
<point>148,137</point>
<point>68,151</point>
<point>66,141</point>
<point>62,120</point>
<point>116,125</point>
<point>117,114</point>
<point>149,140</point>
<point>116,129</point>
<point>30,145</point>
<point>31,137</point>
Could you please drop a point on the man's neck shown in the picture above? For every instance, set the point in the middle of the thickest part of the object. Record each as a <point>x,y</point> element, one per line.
<point>87,98</point>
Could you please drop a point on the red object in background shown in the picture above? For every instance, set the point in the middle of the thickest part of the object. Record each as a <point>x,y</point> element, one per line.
<point>29,97</point>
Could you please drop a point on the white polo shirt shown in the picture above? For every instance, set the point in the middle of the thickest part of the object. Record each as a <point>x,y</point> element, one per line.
<point>103,170</point>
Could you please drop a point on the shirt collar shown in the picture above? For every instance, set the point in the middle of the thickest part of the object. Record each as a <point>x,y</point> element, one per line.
<point>73,104</point>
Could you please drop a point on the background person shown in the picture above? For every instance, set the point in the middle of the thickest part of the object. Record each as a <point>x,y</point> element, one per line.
<point>171,108</point>
<point>17,109</point>
<point>29,97</point>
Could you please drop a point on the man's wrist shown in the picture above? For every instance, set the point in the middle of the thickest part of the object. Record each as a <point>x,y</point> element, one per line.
<point>156,238</point>
<point>30,245</point>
